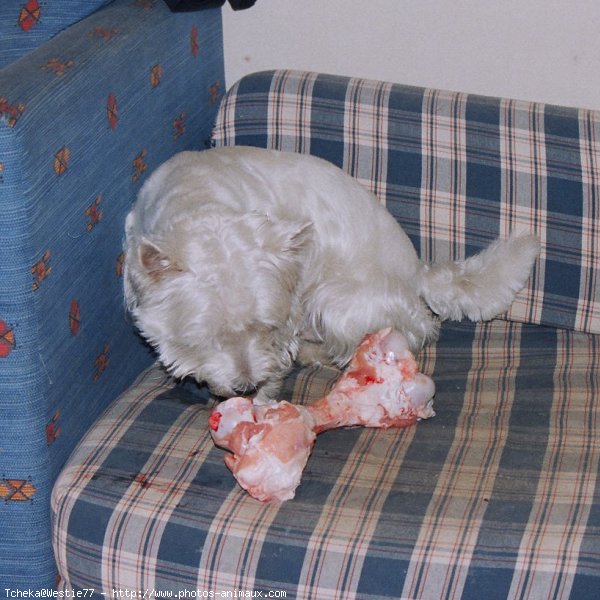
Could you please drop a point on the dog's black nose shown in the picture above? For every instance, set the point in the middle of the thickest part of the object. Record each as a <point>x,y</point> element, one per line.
<point>245,390</point>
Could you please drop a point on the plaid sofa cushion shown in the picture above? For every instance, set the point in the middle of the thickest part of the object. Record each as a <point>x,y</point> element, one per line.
<point>498,496</point>
<point>456,170</point>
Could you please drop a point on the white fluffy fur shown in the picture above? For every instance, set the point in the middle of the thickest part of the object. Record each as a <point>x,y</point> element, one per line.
<point>240,261</point>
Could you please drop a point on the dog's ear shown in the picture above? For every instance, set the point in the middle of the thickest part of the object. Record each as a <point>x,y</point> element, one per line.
<point>156,262</point>
<point>300,236</point>
<point>282,236</point>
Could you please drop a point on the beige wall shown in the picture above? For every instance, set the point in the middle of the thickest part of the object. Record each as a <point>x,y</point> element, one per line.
<point>546,50</point>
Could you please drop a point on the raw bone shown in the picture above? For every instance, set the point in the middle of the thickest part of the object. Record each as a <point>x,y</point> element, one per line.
<point>270,444</point>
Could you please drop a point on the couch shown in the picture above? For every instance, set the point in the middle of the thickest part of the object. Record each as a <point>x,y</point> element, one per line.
<point>497,496</point>
<point>93,96</point>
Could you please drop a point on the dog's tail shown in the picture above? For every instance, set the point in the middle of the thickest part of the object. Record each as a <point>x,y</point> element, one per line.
<point>482,286</point>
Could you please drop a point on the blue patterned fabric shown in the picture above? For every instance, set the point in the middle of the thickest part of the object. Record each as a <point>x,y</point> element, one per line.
<point>83,119</point>
<point>456,170</point>
<point>497,496</point>
<point>27,24</point>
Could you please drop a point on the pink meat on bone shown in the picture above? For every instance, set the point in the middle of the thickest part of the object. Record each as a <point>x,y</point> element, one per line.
<point>270,444</point>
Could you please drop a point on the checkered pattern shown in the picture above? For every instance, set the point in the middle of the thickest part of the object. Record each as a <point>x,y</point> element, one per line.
<point>495,497</point>
<point>456,170</point>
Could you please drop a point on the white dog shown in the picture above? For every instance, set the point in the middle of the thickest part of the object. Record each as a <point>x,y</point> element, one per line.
<point>240,261</point>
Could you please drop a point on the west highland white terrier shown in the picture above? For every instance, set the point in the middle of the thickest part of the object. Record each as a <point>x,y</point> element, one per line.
<point>240,261</point>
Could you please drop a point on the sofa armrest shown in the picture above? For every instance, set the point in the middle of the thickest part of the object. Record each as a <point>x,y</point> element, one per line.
<point>24,26</point>
<point>83,120</point>
<point>456,170</point>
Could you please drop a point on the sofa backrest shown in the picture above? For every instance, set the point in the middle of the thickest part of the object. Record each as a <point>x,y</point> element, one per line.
<point>27,24</point>
<point>456,170</point>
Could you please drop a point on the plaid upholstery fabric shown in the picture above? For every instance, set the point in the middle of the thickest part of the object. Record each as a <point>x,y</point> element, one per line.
<point>456,170</point>
<point>497,496</point>
<point>83,119</point>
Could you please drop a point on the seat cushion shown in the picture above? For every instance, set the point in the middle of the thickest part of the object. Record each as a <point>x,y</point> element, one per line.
<point>498,496</point>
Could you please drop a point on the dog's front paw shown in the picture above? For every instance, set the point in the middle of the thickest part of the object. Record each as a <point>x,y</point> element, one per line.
<point>268,393</point>
<point>312,353</point>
